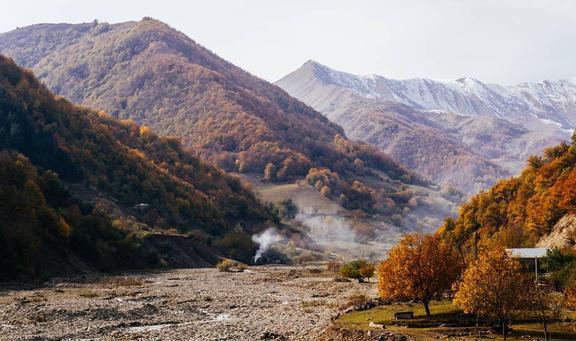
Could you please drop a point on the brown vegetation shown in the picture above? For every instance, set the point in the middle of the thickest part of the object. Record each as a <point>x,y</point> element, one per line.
<point>517,212</point>
<point>228,265</point>
<point>54,145</point>
<point>147,72</point>
<point>495,287</point>
<point>420,267</point>
<point>358,269</point>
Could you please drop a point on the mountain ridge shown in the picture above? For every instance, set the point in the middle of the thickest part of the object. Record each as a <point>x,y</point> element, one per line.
<point>565,88</point>
<point>157,76</point>
<point>450,116</point>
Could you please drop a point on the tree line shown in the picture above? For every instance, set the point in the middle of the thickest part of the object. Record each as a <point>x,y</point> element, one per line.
<point>492,287</point>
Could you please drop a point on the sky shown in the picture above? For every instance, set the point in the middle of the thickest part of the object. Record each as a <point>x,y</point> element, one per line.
<point>500,41</point>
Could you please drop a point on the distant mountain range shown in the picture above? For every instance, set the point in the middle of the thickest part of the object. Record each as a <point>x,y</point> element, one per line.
<point>463,133</point>
<point>157,76</point>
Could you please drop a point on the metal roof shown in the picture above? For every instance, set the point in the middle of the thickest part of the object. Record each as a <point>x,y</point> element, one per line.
<point>536,252</point>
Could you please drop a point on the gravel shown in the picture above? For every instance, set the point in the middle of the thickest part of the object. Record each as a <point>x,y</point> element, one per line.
<point>262,303</point>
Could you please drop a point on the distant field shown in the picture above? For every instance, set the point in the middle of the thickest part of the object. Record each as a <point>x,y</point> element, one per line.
<point>339,231</point>
<point>307,198</point>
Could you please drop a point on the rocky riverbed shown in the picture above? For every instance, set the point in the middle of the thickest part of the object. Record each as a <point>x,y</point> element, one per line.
<point>262,303</point>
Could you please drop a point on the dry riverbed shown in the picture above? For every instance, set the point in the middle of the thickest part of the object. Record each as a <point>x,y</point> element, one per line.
<point>262,303</point>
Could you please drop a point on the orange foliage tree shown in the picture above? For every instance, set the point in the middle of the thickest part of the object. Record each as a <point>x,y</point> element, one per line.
<point>421,267</point>
<point>493,286</point>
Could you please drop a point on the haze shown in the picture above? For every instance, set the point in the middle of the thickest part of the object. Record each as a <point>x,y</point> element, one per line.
<point>492,40</point>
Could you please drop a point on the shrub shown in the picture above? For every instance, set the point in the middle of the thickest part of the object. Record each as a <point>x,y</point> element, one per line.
<point>357,269</point>
<point>349,271</point>
<point>285,209</point>
<point>228,265</point>
<point>225,265</point>
<point>366,270</point>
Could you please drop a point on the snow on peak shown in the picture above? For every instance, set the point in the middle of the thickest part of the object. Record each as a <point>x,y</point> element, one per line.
<point>554,101</point>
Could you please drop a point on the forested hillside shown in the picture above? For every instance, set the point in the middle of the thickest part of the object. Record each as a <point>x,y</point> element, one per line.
<point>155,75</point>
<point>519,211</point>
<point>81,185</point>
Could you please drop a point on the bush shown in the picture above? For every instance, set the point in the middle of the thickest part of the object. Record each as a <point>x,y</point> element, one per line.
<point>357,269</point>
<point>228,265</point>
<point>225,265</point>
<point>285,209</point>
<point>349,271</point>
<point>366,270</point>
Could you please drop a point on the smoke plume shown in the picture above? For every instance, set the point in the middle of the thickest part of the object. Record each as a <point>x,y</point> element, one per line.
<point>265,240</point>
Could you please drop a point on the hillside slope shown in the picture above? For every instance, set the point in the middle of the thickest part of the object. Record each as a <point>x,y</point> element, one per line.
<point>520,211</point>
<point>83,187</point>
<point>155,75</point>
<point>446,129</point>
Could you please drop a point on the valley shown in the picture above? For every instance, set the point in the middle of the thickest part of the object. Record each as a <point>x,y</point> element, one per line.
<point>148,73</point>
<point>152,189</point>
<point>351,234</point>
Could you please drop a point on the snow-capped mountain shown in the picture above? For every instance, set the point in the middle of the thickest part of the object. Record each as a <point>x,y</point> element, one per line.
<point>485,129</point>
<point>548,100</point>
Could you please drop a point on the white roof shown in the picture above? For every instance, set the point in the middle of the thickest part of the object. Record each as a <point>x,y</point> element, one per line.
<point>536,252</point>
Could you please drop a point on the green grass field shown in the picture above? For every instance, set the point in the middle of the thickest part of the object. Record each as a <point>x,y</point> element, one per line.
<point>447,321</point>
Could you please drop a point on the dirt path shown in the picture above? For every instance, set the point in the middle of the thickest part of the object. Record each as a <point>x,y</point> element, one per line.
<point>263,303</point>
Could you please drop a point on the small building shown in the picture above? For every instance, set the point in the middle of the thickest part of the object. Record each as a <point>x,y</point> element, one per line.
<point>529,257</point>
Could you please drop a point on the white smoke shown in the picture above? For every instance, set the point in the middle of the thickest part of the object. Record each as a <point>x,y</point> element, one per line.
<point>328,229</point>
<point>348,237</point>
<point>265,240</point>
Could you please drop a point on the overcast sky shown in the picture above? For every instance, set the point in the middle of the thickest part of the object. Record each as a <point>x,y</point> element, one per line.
<point>502,41</point>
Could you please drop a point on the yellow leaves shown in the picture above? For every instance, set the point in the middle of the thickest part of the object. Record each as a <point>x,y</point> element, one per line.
<point>33,193</point>
<point>144,131</point>
<point>492,286</point>
<point>270,171</point>
<point>420,267</point>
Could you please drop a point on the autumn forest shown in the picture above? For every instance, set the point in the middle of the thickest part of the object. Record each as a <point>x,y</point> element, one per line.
<point>151,189</point>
